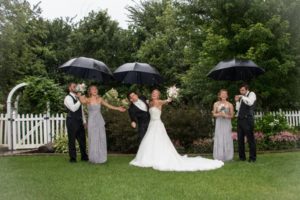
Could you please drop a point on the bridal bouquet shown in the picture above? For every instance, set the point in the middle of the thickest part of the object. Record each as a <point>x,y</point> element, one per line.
<point>173,92</point>
<point>81,88</point>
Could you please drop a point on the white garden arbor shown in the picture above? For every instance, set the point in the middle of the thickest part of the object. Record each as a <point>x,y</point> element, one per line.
<point>29,131</point>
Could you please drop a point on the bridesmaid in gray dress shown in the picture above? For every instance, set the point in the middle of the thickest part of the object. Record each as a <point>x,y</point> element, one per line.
<point>223,112</point>
<point>97,147</point>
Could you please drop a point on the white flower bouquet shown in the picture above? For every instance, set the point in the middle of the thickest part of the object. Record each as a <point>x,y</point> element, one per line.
<point>173,92</point>
<point>81,88</point>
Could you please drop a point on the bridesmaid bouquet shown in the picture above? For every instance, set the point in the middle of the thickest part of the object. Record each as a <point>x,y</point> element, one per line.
<point>81,88</point>
<point>173,92</point>
<point>222,108</point>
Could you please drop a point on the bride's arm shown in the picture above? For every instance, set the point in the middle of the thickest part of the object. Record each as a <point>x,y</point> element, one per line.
<point>166,101</point>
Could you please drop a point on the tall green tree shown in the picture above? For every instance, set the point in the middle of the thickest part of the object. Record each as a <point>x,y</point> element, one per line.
<point>21,34</point>
<point>99,37</point>
<point>162,43</point>
<point>256,30</point>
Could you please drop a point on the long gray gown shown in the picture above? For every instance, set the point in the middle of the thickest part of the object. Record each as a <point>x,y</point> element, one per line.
<point>223,143</point>
<point>96,135</point>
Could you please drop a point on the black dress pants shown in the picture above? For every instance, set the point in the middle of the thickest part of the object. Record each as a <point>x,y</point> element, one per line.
<point>246,128</point>
<point>76,132</point>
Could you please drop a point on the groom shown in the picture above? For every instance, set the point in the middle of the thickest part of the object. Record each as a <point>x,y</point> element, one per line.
<point>138,113</point>
<point>245,103</point>
<point>75,121</point>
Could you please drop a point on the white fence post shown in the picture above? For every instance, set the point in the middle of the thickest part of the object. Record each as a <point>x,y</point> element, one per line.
<point>48,128</point>
<point>14,131</point>
<point>3,129</point>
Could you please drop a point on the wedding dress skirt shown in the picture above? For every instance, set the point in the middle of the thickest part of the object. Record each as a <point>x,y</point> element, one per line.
<point>157,151</point>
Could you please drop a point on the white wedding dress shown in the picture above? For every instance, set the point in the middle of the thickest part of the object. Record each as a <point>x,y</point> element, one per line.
<point>157,151</point>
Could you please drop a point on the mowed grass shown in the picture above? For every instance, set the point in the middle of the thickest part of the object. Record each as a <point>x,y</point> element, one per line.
<point>273,176</point>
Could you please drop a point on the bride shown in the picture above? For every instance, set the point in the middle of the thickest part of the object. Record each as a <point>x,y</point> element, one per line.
<point>157,151</point>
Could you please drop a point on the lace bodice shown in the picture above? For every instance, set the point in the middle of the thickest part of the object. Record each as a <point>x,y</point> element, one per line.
<point>155,113</point>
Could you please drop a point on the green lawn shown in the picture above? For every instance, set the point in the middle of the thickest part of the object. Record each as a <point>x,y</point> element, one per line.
<point>273,176</point>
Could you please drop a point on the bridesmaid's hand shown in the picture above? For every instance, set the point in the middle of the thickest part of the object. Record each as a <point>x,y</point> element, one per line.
<point>121,109</point>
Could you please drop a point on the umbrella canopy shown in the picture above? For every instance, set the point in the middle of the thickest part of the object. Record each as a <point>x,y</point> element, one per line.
<point>88,68</point>
<point>235,70</point>
<point>138,73</point>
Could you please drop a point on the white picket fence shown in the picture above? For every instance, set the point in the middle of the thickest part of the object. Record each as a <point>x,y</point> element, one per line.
<point>3,130</point>
<point>31,131</point>
<point>292,117</point>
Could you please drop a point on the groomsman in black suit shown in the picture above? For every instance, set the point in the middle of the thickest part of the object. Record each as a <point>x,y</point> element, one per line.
<point>139,113</point>
<point>245,104</point>
<point>75,124</point>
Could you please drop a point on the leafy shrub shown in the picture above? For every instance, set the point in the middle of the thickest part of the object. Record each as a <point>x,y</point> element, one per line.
<point>187,124</point>
<point>202,146</point>
<point>184,125</point>
<point>120,136</point>
<point>38,92</point>
<point>271,124</point>
<point>61,144</point>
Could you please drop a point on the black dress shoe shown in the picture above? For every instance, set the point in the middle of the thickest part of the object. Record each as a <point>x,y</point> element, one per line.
<point>242,159</point>
<point>251,160</point>
<point>73,161</point>
<point>84,159</point>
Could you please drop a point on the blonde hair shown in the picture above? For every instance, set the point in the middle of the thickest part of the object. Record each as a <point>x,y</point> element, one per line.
<point>89,90</point>
<point>219,93</point>
<point>157,91</point>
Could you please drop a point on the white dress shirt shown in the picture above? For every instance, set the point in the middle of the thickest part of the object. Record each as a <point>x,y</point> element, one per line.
<point>141,105</point>
<point>69,103</point>
<point>248,99</point>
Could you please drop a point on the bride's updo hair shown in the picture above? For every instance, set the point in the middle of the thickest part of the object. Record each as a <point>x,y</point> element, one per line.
<point>89,93</point>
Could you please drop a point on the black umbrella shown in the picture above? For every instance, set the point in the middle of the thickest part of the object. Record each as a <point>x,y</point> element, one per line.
<point>138,73</point>
<point>235,70</point>
<point>88,68</point>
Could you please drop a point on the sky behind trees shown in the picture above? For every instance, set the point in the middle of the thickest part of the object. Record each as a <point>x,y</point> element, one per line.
<point>80,8</point>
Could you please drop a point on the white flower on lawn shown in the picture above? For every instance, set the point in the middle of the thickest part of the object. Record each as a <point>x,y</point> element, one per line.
<point>173,92</point>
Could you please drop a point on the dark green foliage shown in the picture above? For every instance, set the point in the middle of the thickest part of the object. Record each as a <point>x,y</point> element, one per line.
<point>183,124</point>
<point>38,93</point>
<point>120,136</point>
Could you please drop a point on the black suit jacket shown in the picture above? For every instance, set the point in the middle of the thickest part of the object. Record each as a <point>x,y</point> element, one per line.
<point>139,116</point>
